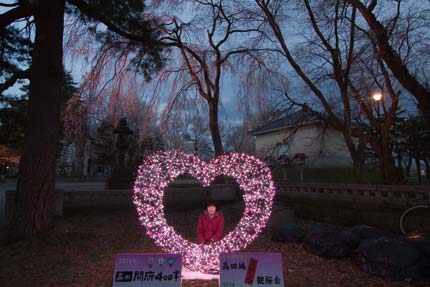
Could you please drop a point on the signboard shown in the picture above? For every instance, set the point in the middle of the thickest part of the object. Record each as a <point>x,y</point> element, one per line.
<point>251,269</point>
<point>147,270</point>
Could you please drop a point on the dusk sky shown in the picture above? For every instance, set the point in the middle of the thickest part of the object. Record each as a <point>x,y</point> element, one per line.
<point>233,85</point>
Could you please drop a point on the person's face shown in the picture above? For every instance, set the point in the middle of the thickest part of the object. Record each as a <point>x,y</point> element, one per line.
<point>211,209</point>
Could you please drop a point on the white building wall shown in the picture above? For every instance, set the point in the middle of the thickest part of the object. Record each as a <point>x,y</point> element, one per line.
<point>322,147</point>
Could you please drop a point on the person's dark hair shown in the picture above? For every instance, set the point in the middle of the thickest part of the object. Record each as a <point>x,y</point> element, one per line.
<point>211,203</point>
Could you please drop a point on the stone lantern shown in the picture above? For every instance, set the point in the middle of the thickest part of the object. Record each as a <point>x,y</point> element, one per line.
<point>122,176</point>
<point>122,132</point>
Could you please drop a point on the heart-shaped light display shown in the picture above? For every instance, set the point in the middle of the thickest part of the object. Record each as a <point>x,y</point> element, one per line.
<point>160,168</point>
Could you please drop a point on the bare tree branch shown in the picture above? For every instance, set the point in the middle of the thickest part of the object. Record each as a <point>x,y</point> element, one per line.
<point>279,35</point>
<point>17,75</point>
<point>9,4</point>
<point>393,60</point>
<point>14,14</point>
<point>86,9</point>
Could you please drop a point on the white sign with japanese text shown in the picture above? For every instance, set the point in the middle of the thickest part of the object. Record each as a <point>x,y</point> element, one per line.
<point>251,269</point>
<point>147,270</point>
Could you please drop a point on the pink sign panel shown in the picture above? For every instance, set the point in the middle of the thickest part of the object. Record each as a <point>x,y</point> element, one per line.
<point>251,269</point>
<point>147,270</point>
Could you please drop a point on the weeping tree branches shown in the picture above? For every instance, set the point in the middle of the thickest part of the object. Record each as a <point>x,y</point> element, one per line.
<point>205,62</point>
<point>126,25</point>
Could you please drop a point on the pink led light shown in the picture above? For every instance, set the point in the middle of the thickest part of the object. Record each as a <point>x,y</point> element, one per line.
<point>253,177</point>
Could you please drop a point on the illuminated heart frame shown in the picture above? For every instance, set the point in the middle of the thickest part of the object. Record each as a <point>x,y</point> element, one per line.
<point>160,168</point>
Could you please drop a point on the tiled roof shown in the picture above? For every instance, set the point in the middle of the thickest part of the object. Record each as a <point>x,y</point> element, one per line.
<point>297,118</point>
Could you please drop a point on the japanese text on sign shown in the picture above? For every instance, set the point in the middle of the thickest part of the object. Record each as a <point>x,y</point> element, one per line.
<point>147,270</point>
<point>251,269</point>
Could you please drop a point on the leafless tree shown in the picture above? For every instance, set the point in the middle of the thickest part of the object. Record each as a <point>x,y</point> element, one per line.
<point>206,46</point>
<point>185,126</point>
<point>238,139</point>
<point>326,59</point>
<point>411,22</point>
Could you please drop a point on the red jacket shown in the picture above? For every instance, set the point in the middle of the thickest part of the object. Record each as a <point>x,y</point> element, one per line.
<point>210,229</point>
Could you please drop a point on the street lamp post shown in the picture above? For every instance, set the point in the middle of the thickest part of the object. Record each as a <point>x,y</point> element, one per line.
<point>377,97</point>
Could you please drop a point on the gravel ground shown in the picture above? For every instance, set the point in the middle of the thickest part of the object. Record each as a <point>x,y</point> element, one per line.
<point>79,251</point>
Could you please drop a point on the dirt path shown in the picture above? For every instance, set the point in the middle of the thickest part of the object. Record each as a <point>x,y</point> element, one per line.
<point>80,249</point>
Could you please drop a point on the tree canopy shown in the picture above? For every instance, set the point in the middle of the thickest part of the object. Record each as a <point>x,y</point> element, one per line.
<point>33,34</point>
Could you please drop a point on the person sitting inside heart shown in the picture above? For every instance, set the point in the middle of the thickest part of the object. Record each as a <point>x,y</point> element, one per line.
<point>210,226</point>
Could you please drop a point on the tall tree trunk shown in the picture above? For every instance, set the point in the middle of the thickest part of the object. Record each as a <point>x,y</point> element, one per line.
<point>381,145</point>
<point>409,164</point>
<point>358,164</point>
<point>418,167</point>
<point>214,127</point>
<point>391,173</point>
<point>36,177</point>
<point>427,168</point>
<point>356,153</point>
<point>394,61</point>
<point>399,163</point>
